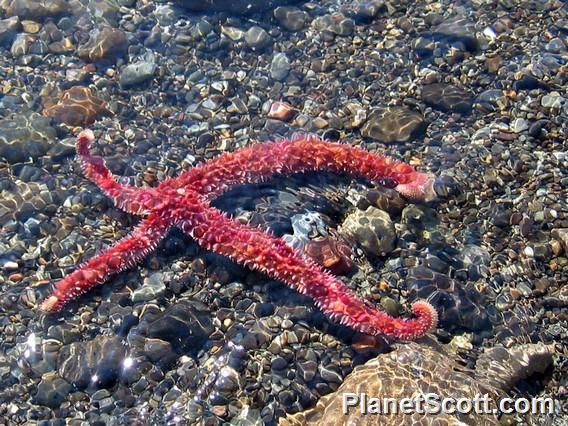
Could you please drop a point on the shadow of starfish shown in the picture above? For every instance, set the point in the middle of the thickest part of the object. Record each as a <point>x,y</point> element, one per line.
<point>184,202</point>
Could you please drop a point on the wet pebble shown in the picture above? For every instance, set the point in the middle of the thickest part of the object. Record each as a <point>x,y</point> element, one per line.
<point>459,29</point>
<point>290,17</point>
<point>386,199</point>
<point>367,10</point>
<point>8,30</point>
<point>78,106</point>
<point>561,234</point>
<point>257,38</point>
<point>280,67</point>
<point>25,135</point>
<point>186,325</point>
<point>33,10</point>
<point>105,45</point>
<point>153,288</point>
<point>335,23</point>
<point>51,392</point>
<point>137,73</point>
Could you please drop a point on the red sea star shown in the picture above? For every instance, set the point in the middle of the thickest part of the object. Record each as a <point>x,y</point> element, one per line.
<point>184,202</point>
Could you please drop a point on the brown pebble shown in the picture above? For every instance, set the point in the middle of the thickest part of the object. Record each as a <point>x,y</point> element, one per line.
<point>494,63</point>
<point>515,294</point>
<point>198,266</point>
<point>515,218</point>
<point>282,111</point>
<point>525,226</point>
<point>362,343</point>
<point>15,277</point>
<point>556,247</point>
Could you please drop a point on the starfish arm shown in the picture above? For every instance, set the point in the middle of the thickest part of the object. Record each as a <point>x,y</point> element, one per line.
<point>302,154</point>
<point>122,255</point>
<point>255,248</point>
<point>132,200</point>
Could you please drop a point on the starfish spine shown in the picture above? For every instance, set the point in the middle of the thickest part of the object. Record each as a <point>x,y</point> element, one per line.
<point>184,202</point>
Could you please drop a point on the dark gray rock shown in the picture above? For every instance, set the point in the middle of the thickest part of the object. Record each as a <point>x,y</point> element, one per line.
<point>290,17</point>
<point>153,288</point>
<point>458,29</point>
<point>52,392</point>
<point>8,30</point>
<point>97,362</point>
<point>257,38</point>
<point>186,325</point>
<point>137,73</point>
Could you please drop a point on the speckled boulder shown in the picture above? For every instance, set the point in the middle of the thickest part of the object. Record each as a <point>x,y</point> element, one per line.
<point>396,124</point>
<point>77,106</point>
<point>25,136</point>
<point>372,229</point>
<point>421,368</point>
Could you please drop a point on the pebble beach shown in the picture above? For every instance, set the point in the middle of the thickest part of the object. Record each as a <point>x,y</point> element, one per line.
<point>473,92</point>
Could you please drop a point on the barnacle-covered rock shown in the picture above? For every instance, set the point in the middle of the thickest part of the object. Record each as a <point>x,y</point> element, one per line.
<point>372,229</point>
<point>420,369</point>
<point>326,246</point>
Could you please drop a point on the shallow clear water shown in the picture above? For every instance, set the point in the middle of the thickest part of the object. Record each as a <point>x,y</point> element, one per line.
<point>473,93</point>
